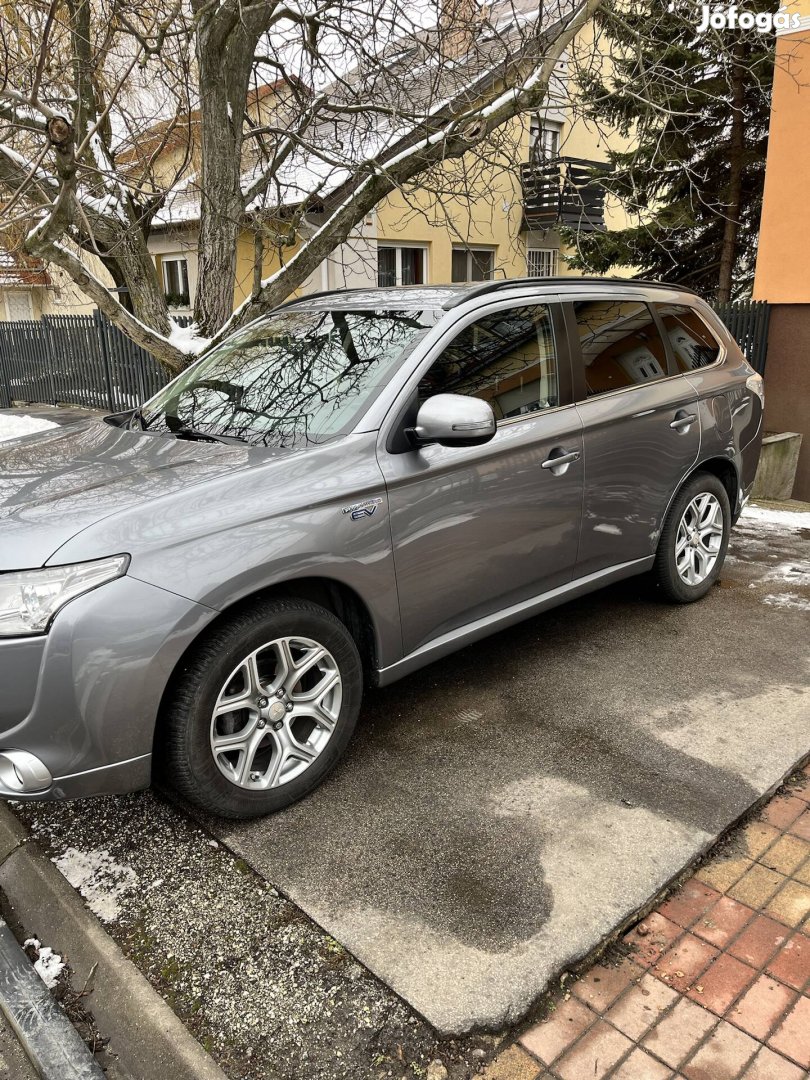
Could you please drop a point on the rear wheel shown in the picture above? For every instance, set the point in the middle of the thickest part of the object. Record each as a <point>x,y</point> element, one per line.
<point>263,709</point>
<point>694,540</point>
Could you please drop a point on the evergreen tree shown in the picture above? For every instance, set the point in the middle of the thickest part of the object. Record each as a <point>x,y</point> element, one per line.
<point>695,108</point>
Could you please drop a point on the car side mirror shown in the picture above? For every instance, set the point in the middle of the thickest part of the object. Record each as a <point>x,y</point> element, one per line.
<point>454,420</point>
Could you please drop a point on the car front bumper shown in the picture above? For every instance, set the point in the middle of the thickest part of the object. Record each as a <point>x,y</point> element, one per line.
<point>83,698</point>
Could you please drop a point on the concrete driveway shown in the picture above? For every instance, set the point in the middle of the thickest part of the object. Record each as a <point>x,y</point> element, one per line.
<point>502,811</point>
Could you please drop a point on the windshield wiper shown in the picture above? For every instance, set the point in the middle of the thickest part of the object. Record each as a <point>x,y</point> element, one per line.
<point>194,435</point>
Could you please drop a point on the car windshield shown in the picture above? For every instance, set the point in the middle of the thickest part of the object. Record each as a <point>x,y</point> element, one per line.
<point>298,377</point>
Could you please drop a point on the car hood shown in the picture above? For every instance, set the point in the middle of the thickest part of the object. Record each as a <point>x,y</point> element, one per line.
<point>55,484</point>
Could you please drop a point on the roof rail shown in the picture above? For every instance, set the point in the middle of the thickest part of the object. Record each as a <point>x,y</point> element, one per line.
<point>505,283</point>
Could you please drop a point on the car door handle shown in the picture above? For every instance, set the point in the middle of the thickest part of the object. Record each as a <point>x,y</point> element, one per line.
<point>683,421</point>
<point>559,459</point>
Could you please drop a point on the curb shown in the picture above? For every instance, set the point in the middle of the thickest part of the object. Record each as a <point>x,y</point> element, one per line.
<point>147,1037</point>
<point>42,1027</point>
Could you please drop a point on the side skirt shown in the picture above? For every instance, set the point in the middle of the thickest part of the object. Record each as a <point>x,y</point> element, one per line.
<point>500,620</point>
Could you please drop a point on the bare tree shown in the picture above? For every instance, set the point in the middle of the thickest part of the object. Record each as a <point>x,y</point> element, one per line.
<point>369,97</point>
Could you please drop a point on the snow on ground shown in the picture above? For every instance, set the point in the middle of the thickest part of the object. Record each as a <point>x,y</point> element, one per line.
<point>48,964</point>
<point>101,880</point>
<point>791,601</point>
<point>775,519</point>
<point>14,427</point>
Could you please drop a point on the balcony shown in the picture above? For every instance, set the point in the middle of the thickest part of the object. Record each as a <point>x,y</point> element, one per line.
<point>563,191</point>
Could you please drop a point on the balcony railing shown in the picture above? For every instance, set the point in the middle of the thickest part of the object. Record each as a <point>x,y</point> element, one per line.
<point>563,191</point>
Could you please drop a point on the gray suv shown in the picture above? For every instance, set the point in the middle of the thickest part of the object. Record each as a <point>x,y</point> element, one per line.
<point>347,490</point>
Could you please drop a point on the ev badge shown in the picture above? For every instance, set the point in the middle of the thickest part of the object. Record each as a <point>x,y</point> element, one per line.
<point>362,509</point>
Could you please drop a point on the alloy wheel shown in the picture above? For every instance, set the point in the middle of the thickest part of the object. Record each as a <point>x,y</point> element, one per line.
<point>699,538</point>
<point>275,713</point>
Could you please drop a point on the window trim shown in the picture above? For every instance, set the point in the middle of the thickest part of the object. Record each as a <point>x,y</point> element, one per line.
<point>397,247</point>
<point>468,250</point>
<point>396,418</point>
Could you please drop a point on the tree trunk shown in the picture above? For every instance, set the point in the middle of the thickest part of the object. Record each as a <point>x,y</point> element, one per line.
<point>225,74</point>
<point>731,228</point>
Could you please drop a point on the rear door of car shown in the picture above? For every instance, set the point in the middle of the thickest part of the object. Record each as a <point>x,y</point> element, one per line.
<point>641,427</point>
<point>480,528</point>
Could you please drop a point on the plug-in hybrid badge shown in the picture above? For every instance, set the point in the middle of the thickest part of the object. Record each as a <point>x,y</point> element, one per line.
<point>362,509</point>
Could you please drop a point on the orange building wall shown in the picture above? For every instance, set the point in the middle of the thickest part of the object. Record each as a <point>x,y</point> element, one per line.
<point>783,258</point>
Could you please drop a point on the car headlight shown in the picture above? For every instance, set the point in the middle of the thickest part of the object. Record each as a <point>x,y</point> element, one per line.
<point>29,599</point>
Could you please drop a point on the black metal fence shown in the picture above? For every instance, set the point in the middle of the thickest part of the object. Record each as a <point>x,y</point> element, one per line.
<point>747,321</point>
<point>76,360</point>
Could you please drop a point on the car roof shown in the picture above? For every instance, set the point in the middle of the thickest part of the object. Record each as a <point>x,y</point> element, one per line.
<point>420,297</point>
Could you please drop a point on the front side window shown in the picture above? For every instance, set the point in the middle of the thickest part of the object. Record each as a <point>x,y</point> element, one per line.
<point>507,358</point>
<point>620,344</point>
<point>297,377</point>
<point>472,264</point>
<point>692,342</point>
<point>400,266</point>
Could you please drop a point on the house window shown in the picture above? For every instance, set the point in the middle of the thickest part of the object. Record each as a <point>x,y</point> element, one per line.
<point>175,282</point>
<point>19,305</point>
<point>400,265</point>
<point>473,264</point>
<point>542,262</point>
<point>544,140</point>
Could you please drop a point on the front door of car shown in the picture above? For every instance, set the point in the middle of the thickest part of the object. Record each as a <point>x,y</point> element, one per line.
<point>478,528</point>
<point>640,424</point>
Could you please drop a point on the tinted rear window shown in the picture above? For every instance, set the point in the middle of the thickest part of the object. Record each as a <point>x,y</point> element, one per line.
<point>693,343</point>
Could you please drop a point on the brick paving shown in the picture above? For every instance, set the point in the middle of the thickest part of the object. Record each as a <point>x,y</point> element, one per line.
<point>713,985</point>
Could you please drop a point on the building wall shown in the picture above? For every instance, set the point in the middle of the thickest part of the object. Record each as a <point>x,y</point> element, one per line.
<point>783,258</point>
<point>785,224</point>
<point>495,218</point>
<point>787,382</point>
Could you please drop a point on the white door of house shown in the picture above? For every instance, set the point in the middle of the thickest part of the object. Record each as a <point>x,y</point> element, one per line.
<point>19,305</point>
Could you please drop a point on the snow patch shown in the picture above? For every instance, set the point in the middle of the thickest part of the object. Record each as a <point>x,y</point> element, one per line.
<point>790,573</point>
<point>48,964</point>
<point>14,427</point>
<point>101,880</point>
<point>791,601</point>
<point>776,519</point>
<point>188,340</point>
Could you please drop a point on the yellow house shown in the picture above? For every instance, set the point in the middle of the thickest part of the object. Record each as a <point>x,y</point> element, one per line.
<point>29,289</point>
<point>504,223</point>
<point>783,259</point>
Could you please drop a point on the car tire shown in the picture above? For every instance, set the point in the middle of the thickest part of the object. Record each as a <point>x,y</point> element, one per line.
<point>693,541</point>
<point>236,742</point>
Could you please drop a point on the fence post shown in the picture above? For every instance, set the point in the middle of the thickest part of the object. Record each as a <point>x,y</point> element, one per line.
<point>49,352</point>
<point>6,381</point>
<point>101,331</point>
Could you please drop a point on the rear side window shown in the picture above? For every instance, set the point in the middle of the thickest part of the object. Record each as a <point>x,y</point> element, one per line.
<point>693,343</point>
<point>621,345</point>
<point>507,358</point>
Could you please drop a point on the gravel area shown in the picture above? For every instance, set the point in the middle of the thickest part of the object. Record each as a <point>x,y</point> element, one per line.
<point>263,988</point>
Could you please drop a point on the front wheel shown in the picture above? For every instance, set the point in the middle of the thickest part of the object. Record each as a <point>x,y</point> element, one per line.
<point>694,540</point>
<point>262,709</point>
